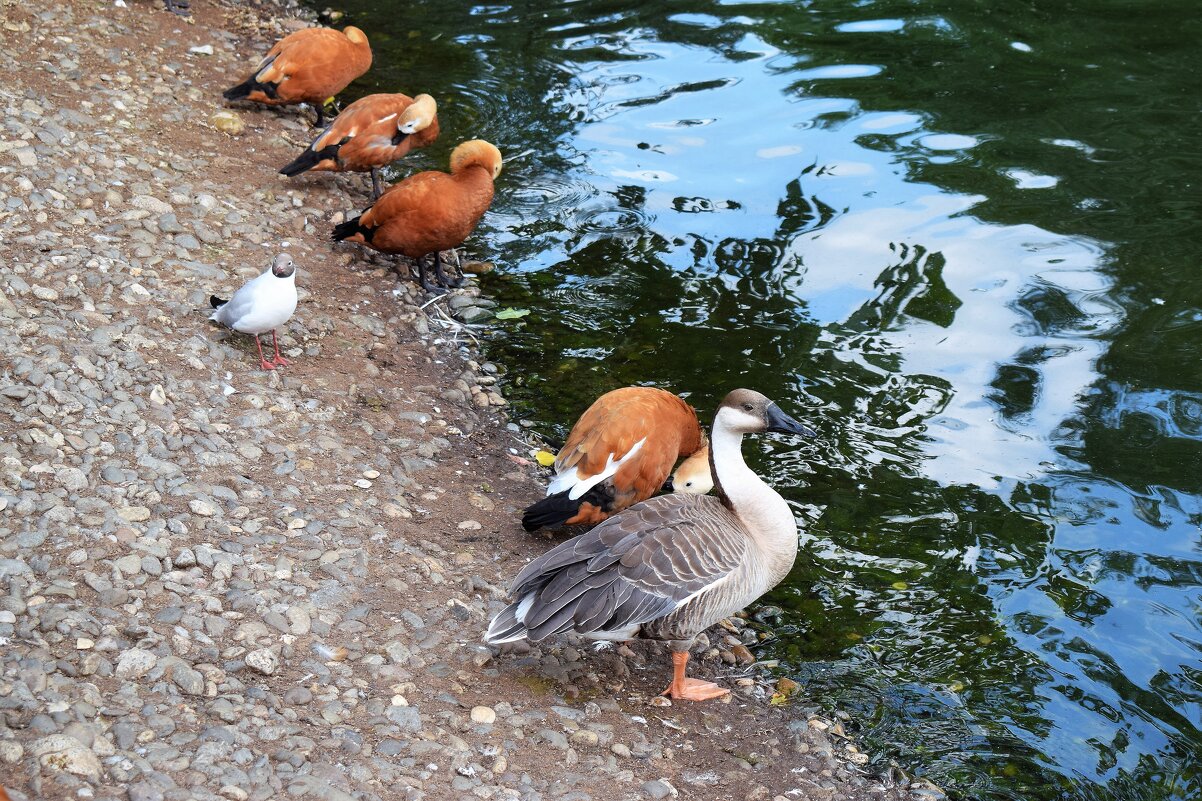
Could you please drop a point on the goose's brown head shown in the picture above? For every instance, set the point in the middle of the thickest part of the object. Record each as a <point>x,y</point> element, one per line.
<point>748,412</point>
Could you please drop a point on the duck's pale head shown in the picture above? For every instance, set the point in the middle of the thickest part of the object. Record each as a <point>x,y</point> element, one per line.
<point>418,116</point>
<point>693,477</point>
<point>746,411</point>
<point>283,267</point>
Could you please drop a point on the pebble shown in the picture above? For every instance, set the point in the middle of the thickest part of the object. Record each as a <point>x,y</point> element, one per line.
<point>263,660</point>
<point>483,714</point>
<point>135,663</point>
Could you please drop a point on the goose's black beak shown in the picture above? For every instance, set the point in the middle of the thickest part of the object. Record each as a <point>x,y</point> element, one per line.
<point>780,422</point>
<point>668,486</point>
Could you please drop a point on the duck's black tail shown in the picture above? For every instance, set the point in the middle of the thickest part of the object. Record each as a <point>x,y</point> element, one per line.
<point>349,228</point>
<point>556,510</point>
<point>308,160</point>
<point>243,90</point>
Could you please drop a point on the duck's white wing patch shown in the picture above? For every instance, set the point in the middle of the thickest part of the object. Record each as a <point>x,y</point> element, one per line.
<point>562,481</point>
<point>611,466</point>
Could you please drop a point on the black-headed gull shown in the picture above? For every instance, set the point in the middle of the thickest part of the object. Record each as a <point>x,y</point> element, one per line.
<point>262,304</point>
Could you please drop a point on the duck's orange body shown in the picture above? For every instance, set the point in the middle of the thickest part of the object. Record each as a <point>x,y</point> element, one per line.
<point>370,133</point>
<point>620,452</point>
<point>430,211</point>
<point>307,66</point>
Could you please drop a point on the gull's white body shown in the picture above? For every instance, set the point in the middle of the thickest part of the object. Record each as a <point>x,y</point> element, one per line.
<point>262,304</point>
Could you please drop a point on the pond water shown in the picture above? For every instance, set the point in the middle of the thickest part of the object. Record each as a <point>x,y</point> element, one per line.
<point>961,240</point>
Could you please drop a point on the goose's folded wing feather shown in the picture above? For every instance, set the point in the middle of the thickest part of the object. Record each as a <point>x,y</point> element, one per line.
<point>631,569</point>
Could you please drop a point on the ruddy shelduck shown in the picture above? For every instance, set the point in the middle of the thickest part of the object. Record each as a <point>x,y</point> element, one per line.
<point>307,66</point>
<point>371,133</point>
<point>670,567</point>
<point>693,475</point>
<point>430,211</point>
<point>620,452</point>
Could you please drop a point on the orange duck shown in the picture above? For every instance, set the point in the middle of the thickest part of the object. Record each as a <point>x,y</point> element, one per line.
<point>430,211</point>
<point>307,66</point>
<point>620,452</point>
<point>370,133</point>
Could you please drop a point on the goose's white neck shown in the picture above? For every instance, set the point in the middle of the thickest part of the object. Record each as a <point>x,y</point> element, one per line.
<point>762,510</point>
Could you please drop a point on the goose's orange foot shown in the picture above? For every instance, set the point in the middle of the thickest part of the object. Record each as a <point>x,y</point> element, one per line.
<point>695,690</point>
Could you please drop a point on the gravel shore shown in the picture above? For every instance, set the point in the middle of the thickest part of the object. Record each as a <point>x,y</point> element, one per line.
<point>223,583</point>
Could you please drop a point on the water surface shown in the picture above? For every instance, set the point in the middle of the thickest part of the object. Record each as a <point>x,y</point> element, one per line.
<point>960,239</point>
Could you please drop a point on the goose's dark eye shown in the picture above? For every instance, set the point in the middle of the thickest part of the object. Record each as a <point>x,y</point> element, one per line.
<point>747,407</point>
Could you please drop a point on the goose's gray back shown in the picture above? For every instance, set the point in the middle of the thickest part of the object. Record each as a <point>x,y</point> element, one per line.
<point>666,568</point>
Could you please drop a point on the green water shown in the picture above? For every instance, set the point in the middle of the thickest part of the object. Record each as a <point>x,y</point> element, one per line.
<point>960,239</point>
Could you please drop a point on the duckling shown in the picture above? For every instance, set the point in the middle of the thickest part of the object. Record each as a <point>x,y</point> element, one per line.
<point>671,566</point>
<point>307,66</point>
<point>430,211</point>
<point>618,453</point>
<point>370,133</point>
<point>262,304</point>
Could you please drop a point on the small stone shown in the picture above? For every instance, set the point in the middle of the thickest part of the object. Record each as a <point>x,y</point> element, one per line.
<point>227,122</point>
<point>477,267</point>
<point>585,737</point>
<point>11,752</point>
<point>134,514</point>
<point>206,50</point>
<point>202,508</point>
<point>398,652</point>
<point>84,644</point>
<point>743,654</point>
<point>263,660</point>
<point>157,395</point>
<point>470,525</point>
<point>135,663</point>
<point>151,204</point>
<point>484,714</point>
<point>298,696</point>
<point>63,753</point>
<point>786,686</point>
<point>658,788</point>
<point>555,739</point>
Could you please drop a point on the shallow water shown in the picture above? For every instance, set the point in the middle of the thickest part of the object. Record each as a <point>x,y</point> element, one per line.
<point>960,240</point>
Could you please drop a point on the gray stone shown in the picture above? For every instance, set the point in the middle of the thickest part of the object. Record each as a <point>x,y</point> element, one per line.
<point>135,663</point>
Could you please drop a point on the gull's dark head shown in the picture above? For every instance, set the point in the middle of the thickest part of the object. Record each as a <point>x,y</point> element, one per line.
<point>283,267</point>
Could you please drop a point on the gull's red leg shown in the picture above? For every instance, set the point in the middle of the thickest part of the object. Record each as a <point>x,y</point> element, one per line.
<point>279,360</point>
<point>266,365</point>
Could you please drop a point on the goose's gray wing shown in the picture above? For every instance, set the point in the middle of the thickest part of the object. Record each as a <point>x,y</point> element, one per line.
<point>631,569</point>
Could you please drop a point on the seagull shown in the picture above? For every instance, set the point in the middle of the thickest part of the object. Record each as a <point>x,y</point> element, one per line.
<point>262,304</point>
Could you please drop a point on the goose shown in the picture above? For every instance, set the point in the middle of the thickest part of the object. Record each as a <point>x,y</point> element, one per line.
<point>671,566</point>
<point>262,304</point>
<point>618,453</point>
<point>430,211</point>
<point>371,133</point>
<point>307,66</point>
